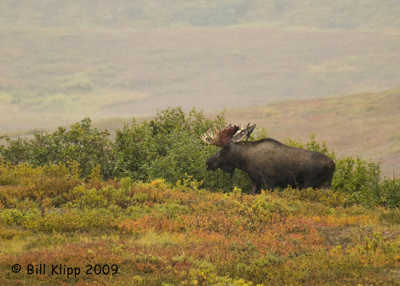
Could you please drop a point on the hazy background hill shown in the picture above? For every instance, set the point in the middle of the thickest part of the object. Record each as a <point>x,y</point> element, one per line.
<point>340,14</point>
<point>63,60</point>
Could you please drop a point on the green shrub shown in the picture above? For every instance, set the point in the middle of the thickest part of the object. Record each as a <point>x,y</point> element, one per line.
<point>388,192</point>
<point>12,217</point>
<point>39,183</point>
<point>265,205</point>
<point>358,178</point>
<point>311,145</point>
<point>83,144</point>
<point>170,147</point>
<point>68,220</point>
<point>171,210</point>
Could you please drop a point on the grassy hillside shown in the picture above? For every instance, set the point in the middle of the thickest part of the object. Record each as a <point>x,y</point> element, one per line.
<point>66,60</point>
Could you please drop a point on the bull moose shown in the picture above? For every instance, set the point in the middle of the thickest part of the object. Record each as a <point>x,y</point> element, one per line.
<point>268,162</point>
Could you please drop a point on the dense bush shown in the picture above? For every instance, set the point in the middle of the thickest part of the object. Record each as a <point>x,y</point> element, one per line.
<point>169,147</point>
<point>82,143</point>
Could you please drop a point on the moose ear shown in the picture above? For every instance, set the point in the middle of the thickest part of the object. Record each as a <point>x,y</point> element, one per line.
<point>228,145</point>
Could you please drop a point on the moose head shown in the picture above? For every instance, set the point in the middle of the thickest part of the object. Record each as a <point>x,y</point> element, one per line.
<point>225,138</point>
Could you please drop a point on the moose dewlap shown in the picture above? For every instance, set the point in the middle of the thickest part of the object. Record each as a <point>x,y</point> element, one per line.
<point>269,163</point>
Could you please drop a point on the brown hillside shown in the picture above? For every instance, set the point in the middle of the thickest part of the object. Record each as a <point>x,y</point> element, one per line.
<point>361,124</point>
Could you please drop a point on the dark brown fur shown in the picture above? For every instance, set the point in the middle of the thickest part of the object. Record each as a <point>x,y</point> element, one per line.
<point>272,164</point>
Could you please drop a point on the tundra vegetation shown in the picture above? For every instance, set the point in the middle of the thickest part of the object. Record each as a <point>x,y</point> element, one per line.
<point>141,200</point>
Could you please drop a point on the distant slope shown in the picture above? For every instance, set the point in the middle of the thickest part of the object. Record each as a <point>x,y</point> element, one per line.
<point>341,14</point>
<point>51,76</point>
<point>361,124</point>
<point>63,60</point>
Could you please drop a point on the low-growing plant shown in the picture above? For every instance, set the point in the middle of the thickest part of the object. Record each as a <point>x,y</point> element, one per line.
<point>391,216</point>
<point>158,233</point>
<point>266,205</point>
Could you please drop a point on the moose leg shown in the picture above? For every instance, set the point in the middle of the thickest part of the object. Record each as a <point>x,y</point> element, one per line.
<point>254,188</point>
<point>326,185</point>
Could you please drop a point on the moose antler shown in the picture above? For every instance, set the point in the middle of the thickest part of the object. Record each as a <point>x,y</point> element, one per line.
<point>221,137</point>
<point>244,132</point>
<point>229,133</point>
<point>211,138</point>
